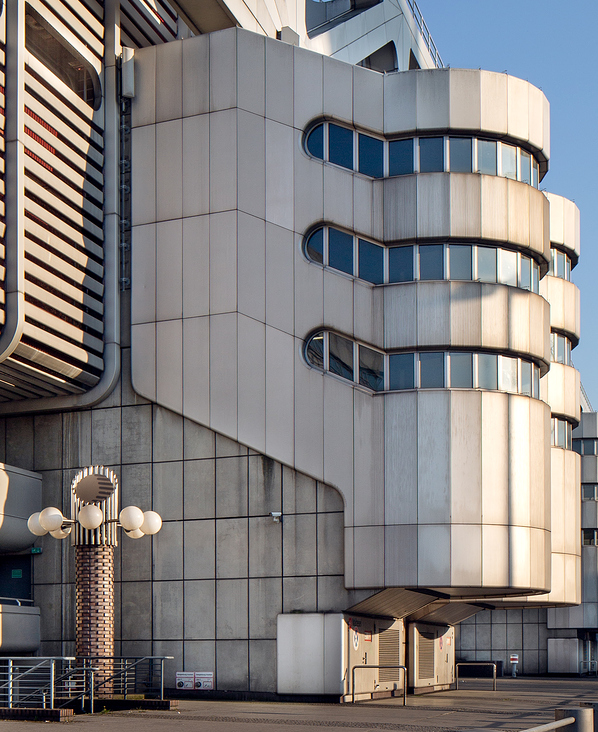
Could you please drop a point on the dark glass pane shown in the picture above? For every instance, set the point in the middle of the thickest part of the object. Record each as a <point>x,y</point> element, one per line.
<point>340,146</point>
<point>487,157</point>
<point>508,267</point>
<point>314,351</point>
<point>461,370</point>
<point>62,60</point>
<point>589,447</point>
<point>588,492</point>
<point>371,368</point>
<point>560,265</point>
<point>315,142</point>
<point>401,371</point>
<point>400,264</point>
<point>340,250</point>
<point>535,277</point>
<point>431,374</point>
<point>525,162</point>
<point>314,247</point>
<point>560,438</point>
<point>509,161</point>
<point>487,371</point>
<point>400,157</point>
<point>560,349</point>
<point>341,356</point>
<point>588,537</point>
<point>577,446</point>
<point>371,156</point>
<point>526,378</point>
<point>525,280</point>
<point>536,393</point>
<point>431,154</point>
<point>371,262</point>
<point>534,173</point>
<point>460,152</point>
<point>431,262</point>
<point>460,260</point>
<point>486,264</point>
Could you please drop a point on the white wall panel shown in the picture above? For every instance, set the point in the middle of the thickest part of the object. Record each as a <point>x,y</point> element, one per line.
<point>223,374</point>
<point>223,160</point>
<point>309,188</point>
<point>434,555</point>
<point>466,555</point>
<point>169,270</point>
<point>280,416</point>
<point>465,205</point>
<point>401,116</point>
<point>143,175</point>
<point>493,89</point>
<point>169,364</point>
<point>338,197</point>
<point>433,95</point>
<point>369,556</point>
<point>143,105</point>
<point>196,165</point>
<point>338,302</point>
<point>495,556</point>
<point>251,378</point>
<point>338,439</point>
<point>196,75</point>
<point>309,417</point>
<point>368,93</point>
<point>169,182</point>
<point>196,369</point>
<point>143,366</point>
<point>368,459</point>
<point>251,178</point>
<point>251,72</point>
<point>279,174</point>
<point>279,285</point>
<point>223,262</point>
<point>401,458</point>
<point>433,208</point>
<point>519,460</point>
<point>433,313</point>
<point>466,457</point>
<point>223,71</point>
<point>433,457</point>
<point>196,270</point>
<point>465,106</point>
<point>143,265</point>
<point>169,76</point>
<point>495,458</point>
<point>251,266</point>
<point>308,86</point>
<point>338,89</point>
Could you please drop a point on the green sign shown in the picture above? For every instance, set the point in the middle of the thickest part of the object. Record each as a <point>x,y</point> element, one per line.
<point>36,550</point>
<point>17,574</point>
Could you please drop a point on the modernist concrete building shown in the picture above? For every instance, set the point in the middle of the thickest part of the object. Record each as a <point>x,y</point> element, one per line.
<point>297,285</point>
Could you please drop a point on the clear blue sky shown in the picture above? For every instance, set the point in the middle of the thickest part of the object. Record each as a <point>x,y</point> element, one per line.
<point>552,44</point>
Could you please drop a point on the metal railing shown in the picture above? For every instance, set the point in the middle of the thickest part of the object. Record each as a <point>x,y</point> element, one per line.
<point>426,35</point>
<point>396,668</point>
<point>19,601</point>
<point>60,681</point>
<point>565,722</point>
<point>477,663</point>
<point>588,667</point>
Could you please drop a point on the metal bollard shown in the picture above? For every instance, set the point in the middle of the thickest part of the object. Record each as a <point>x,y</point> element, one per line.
<point>584,718</point>
<point>594,707</point>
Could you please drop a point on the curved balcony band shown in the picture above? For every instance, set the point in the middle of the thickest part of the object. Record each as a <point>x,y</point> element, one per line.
<point>468,100</point>
<point>560,388</point>
<point>564,302</point>
<point>564,225</point>
<point>467,205</point>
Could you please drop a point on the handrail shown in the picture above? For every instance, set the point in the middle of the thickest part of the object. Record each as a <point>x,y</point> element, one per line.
<point>425,32</point>
<point>565,722</point>
<point>477,663</point>
<point>17,600</point>
<point>396,668</point>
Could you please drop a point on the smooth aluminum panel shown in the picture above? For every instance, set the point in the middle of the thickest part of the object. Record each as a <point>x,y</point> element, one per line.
<point>466,457</point>
<point>400,207</point>
<point>518,195</point>
<point>251,406</point>
<point>564,223</point>
<point>466,555</point>
<point>143,151</point>
<point>400,110</point>
<point>401,458</point>
<point>169,364</point>
<point>495,556</point>
<point>563,297</point>
<point>517,108</point>
<point>434,555</point>
<point>433,209</point>
<point>279,82</point>
<point>561,389</point>
<point>433,98</point>
<point>493,88</point>
<point>465,99</point>
<point>279,284</point>
<point>363,206</point>
<point>143,365</point>
<point>433,455</point>
<point>338,89</point>
<point>143,266</point>
<point>309,188</point>
<point>143,104</point>
<point>251,161</point>
<point>223,160</point>
<point>196,75</point>
<point>400,556</point>
<point>251,266</point>
<point>196,369</point>
<point>465,314</point>
<point>223,374</point>
<point>169,75</point>
<point>169,270</point>
<point>519,460</point>
<point>369,556</point>
<point>433,313</point>
<point>368,459</point>
<point>251,72</point>
<point>279,174</point>
<point>338,197</point>
<point>494,207</point>
<point>196,165</point>
<point>309,295</point>
<point>308,86</point>
<point>339,433</point>
<point>495,456</point>
<point>223,71</point>
<point>280,418</point>
<point>368,94</point>
<point>169,158</point>
<point>309,416</point>
<point>338,302</point>
<point>223,262</point>
<point>465,206</point>
<point>196,276</point>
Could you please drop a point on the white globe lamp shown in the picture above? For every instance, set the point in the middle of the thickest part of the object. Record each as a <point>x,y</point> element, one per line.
<point>135,534</point>
<point>152,522</point>
<point>90,516</point>
<point>131,518</point>
<point>34,525</point>
<point>61,533</point>
<point>51,519</point>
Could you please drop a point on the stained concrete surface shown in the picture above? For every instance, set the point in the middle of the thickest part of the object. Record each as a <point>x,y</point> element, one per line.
<point>518,704</point>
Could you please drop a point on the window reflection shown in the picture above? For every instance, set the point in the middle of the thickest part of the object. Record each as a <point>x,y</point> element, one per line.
<point>431,154</point>
<point>487,157</point>
<point>371,368</point>
<point>461,370</point>
<point>431,367</point>
<point>371,156</point>
<point>460,154</point>
<point>460,262</point>
<point>371,262</point>
<point>340,250</point>
<point>525,162</point>
<point>400,157</point>
<point>314,247</point>
<point>509,161</point>
<point>315,142</point>
<point>487,371</point>
<point>401,368</point>
<point>341,356</point>
<point>431,262</point>
<point>340,146</point>
<point>400,264</point>
<point>314,351</point>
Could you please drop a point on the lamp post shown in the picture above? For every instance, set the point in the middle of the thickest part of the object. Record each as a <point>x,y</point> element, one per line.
<point>92,526</point>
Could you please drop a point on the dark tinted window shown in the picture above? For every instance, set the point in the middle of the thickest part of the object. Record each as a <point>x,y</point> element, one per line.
<point>526,167</point>
<point>487,157</point>
<point>487,371</point>
<point>400,264</point>
<point>371,262</point>
<point>62,60</point>
<point>314,247</point>
<point>340,146</point>
<point>401,371</point>
<point>461,370</point>
<point>525,280</point>
<point>460,152</point>
<point>371,368</point>
<point>371,156</point>
<point>340,250</point>
<point>509,161</point>
<point>431,154</point>
<point>341,356</point>
<point>431,262</point>
<point>526,378</point>
<point>460,260</point>
<point>486,264</point>
<point>431,367</point>
<point>315,142</point>
<point>315,350</point>
<point>400,157</point>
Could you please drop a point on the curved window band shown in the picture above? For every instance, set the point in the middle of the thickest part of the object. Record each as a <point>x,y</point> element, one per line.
<point>379,371</point>
<point>378,158</point>
<point>379,264</point>
<point>56,53</point>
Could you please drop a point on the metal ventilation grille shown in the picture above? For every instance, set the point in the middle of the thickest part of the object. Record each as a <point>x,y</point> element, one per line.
<point>147,23</point>
<point>425,656</point>
<point>389,654</point>
<point>60,351</point>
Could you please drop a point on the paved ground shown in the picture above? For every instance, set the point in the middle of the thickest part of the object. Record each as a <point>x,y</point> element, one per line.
<point>517,705</point>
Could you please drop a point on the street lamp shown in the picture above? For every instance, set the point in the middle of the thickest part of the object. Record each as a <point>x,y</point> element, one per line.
<point>92,526</point>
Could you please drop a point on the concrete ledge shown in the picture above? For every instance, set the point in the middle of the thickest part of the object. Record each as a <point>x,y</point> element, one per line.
<point>37,715</point>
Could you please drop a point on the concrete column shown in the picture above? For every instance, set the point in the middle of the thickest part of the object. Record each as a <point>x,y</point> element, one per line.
<point>584,718</point>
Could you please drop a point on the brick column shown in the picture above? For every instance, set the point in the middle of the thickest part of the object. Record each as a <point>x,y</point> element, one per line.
<point>95,608</point>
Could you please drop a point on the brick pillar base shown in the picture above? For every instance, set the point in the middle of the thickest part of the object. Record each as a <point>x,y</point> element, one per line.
<point>95,609</point>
